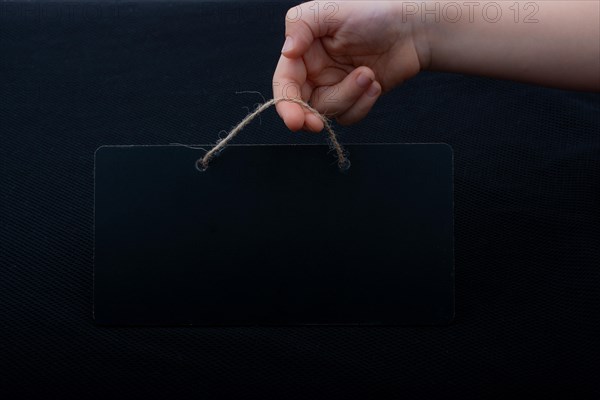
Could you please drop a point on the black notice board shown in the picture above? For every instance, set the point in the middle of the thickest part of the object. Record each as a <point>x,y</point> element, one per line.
<point>274,234</point>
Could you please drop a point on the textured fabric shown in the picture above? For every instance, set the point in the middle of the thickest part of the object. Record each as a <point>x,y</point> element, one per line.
<point>74,76</point>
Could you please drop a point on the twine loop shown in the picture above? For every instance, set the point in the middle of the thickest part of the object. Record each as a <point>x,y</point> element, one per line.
<point>343,161</point>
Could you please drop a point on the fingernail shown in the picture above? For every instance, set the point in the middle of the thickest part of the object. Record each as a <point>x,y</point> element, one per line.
<point>363,81</point>
<point>373,90</point>
<point>288,44</point>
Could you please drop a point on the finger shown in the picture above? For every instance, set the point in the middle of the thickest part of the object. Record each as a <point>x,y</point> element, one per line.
<point>313,123</point>
<point>338,98</point>
<point>305,23</point>
<point>288,81</point>
<point>362,106</point>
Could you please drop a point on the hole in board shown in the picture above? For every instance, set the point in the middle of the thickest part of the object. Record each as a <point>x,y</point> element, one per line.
<point>200,166</point>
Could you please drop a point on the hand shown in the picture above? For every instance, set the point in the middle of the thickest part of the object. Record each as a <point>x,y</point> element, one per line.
<point>340,56</point>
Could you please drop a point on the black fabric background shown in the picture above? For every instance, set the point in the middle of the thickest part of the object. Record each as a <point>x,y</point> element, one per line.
<point>74,76</point>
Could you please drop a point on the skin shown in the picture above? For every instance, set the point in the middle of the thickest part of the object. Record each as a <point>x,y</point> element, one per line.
<point>341,56</point>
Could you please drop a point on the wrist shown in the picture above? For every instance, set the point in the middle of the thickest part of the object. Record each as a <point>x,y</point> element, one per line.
<point>420,31</point>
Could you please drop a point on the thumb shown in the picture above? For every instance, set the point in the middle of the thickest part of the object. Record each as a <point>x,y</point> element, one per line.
<point>304,24</point>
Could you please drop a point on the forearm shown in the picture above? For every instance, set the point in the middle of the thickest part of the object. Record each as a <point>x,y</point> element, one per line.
<point>552,43</point>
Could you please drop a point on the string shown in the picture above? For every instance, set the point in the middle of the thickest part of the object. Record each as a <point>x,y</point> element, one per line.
<point>343,162</point>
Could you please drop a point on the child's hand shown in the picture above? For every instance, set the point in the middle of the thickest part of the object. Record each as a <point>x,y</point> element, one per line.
<point>339,56</point>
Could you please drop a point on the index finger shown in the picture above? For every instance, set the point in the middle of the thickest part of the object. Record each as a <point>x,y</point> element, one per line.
<point>289,81</point>
<point>302,26</point>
